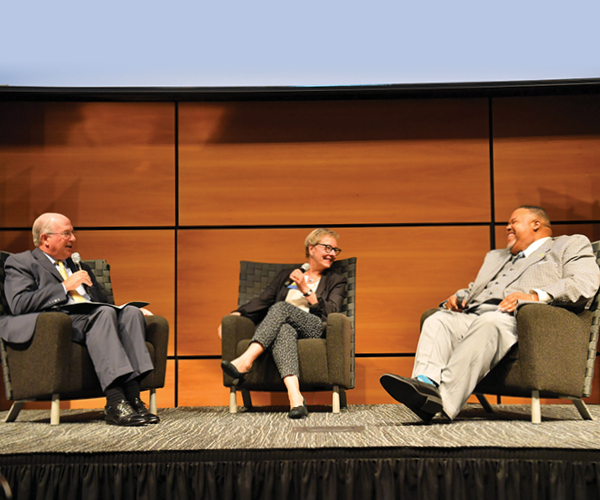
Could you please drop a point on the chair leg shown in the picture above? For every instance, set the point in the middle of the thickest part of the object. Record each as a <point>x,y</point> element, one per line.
<point>335,403</point>
<point>583,409</point>
<point>484,402</point>
<point>232,400</point>
<point>14,411</point>
<point>536,409</point>
<point>247,398</point>
<point>153,405</point>
<point>55,410</point>
<point>343,399</point>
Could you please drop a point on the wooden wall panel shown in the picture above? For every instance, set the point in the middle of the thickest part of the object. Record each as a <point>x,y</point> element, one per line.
<point>103,164</point>
<point>401,272</point>
<point>547,152</point>
<point>334,162</point>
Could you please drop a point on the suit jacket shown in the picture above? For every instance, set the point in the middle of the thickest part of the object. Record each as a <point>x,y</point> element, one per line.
<point>564,267</point>
<point>33,285</point>
<point>330,295</point>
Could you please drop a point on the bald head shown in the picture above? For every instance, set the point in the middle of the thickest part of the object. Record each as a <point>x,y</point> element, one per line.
<point>45,224</point>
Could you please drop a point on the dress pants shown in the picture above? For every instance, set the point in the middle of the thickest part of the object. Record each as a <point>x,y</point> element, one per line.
<point>115,340</point>
<point>457,349</point>
<point>279,333</point>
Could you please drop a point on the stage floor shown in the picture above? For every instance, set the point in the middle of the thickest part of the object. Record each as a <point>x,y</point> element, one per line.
<point>358,427</point>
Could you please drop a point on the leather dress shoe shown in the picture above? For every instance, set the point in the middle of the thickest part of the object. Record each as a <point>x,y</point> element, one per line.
<point>123,414</point>
<point>138,405</point>
<point>230,369</point>
<point>299,411</point>
<point>423,399</point>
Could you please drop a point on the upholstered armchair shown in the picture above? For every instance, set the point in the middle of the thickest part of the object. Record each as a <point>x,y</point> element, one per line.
<point>50,367</point>
<point>554,357</point>
<point>326,364</point>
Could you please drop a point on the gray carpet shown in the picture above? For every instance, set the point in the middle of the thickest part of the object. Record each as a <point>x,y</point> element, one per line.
<point>360,426</point>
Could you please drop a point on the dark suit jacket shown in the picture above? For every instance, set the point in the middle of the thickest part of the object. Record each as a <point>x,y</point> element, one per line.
<point>33,285</point>
<point>330,294</point>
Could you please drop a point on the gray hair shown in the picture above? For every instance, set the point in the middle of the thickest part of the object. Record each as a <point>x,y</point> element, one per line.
<point>44,224</point>
<point>315,236</point>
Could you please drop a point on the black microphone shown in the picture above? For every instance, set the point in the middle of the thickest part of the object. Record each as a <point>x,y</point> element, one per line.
<point>303,268</point>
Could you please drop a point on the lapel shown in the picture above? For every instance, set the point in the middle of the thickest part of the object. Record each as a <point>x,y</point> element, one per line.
<point>536,257</point>
<point>46,264</point>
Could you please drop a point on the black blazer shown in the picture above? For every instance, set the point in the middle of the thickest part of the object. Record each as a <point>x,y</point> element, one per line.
<point>330,294</point>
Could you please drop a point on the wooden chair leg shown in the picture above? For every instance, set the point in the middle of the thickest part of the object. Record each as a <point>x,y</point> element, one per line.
<point>14,411</point>
<point>55,410</point>
<point>485,403</point>
<point>536,409</point>
<point>153,405</point>
<point>232,400</point>
<point>335,403</point>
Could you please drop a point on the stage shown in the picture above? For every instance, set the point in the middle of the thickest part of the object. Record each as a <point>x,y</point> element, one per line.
<point>366,452</point>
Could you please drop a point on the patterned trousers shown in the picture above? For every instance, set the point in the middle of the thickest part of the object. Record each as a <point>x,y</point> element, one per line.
<point>279,332</point>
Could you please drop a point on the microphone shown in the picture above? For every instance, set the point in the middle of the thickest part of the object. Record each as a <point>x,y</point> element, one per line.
<point>303,268</point>
<point>76,258</point>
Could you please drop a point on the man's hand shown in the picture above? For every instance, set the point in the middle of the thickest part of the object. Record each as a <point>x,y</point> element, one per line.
<point>452,304</point>
<point>232,314</point>
<point>509,304</point>
<point>76,280</point>
<point>146,312</point>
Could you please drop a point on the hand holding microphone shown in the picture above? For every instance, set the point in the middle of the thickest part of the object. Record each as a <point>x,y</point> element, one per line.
<point>81,277</point>
<point>303,269</point>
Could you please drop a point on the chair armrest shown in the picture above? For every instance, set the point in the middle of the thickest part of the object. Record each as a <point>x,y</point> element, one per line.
<point>339,349</point>
<point>233,329</point>
<point>426,315</point>
<point>49,351</point>
<point>553,348</point>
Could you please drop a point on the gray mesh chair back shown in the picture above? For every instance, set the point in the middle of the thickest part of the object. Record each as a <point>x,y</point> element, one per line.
<point>595,308</point>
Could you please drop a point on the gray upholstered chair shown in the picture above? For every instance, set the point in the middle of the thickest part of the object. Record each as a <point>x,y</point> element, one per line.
<point>326,364</point>
<point>554,357</point>
<point>50,367</point>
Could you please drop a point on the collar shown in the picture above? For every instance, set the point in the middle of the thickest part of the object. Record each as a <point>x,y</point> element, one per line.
<point>534,246</point>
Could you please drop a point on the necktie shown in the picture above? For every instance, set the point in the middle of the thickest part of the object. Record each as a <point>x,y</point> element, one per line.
<point>520,255</point>
<point>63,272</point>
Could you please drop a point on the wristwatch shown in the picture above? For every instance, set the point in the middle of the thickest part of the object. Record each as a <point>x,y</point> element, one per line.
<point>307,293</point>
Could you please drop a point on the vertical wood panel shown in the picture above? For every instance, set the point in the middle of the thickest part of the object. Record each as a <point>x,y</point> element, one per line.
<point>334,162</point>
<point>401,272</point>
<point>103,164</point>
<point>547,152</point>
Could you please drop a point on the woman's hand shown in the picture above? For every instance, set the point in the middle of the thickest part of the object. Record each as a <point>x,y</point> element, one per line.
<point>219,333</point>
<point>297,276</point>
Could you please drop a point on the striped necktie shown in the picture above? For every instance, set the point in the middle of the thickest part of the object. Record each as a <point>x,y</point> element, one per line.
<point>73,293</point>
<point>520,255</point>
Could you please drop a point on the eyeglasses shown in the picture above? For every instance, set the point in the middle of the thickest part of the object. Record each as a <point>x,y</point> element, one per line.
<point>64,234</point>
<point>329,248</point>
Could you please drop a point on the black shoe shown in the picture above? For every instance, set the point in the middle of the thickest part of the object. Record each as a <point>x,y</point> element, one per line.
<point>232,371</point>
<point>421,398</point>
<point>138,405</point>
<point>123,414</point>
<point>299,411</point>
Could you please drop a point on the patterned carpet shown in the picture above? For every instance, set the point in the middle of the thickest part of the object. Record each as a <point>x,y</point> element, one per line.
<point>360,426</point>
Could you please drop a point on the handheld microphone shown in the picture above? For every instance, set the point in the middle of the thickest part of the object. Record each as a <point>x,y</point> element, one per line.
<point>76,258</point>
<point>303,268</point>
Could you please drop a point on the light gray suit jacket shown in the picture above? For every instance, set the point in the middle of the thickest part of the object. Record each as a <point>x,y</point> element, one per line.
<point>33,285</point>
<point>564,267</point>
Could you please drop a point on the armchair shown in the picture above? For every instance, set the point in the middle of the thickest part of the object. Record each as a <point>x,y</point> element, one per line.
<point>326,364</point>
<point>50,367</point>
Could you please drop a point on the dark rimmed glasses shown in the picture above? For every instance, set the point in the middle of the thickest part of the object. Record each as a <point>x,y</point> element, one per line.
<point>329,248</point>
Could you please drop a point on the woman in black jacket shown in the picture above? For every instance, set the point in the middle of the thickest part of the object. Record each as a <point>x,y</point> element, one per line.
<point>294,305</point>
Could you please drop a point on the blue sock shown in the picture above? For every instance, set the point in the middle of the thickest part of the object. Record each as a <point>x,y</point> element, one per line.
<point>426,380</point>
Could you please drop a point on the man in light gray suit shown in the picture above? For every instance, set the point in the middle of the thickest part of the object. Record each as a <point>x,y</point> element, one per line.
<point>476,327</point>
<point>46,279</point>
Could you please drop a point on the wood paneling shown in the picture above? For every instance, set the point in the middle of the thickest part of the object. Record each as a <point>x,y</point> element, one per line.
<point>401,272</point>
<point>333,162</point>
<point>546,153</point>
<point>103,164</point>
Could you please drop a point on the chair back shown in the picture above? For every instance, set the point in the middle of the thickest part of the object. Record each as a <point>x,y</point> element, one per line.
<point>3,303</point>
<point>101,270</point>
<point>595,308</point>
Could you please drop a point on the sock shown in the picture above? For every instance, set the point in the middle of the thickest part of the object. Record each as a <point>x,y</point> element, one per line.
<point>426,380</point>
<point>131,388</point>
<point>114,395</point>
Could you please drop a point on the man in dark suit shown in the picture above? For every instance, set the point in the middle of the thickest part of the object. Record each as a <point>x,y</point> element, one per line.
<point>476,327</point>
<point>46,279</point>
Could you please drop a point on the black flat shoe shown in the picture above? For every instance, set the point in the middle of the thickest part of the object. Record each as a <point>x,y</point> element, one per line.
<point>123,414</point>
<point>299,411</point>
<point>232,371</point>
<point>424,400</point>
<point>138,405</point>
